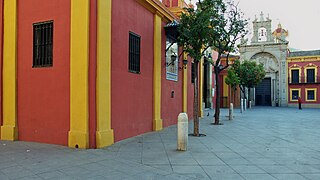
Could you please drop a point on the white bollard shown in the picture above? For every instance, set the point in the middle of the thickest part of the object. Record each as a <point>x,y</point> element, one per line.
<point>250,104</point>
<point>231,111</point>
<point>241,104</point>
<point>182,132</point>
<point>245,104</point>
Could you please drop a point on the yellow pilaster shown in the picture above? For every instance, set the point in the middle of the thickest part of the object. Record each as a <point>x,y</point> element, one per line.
<point>185,87</point>
<point>157,121</point>
<point>201,88</point>
<point>104,134</point>
<point>225,87</point>
<point>79,63</point>
<point>9,129</point>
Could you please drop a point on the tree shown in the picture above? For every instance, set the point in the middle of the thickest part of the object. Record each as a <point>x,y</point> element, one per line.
<point>251,74</point>
<point>228,27</point>
<point>233,79</point>
<point>194,37</point>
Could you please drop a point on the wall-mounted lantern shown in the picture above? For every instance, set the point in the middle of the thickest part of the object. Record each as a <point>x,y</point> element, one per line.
<point>173,58</point>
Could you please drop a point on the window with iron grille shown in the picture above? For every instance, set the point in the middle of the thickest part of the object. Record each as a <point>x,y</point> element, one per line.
<point>134,53</point>
<point>295,94</point>
<point>310,95</point>
<point>193,74</point>
<point>310,76</point>
<point>43,44</point>
<point>294,76</point>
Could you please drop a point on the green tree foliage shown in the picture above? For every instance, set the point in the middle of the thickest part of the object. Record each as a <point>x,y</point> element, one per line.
<point>217,24</point>
<point>228,27</point>
<point>233,81</point>
<point>249,72</point>
<point>194,37</point>
<point>232,78</point>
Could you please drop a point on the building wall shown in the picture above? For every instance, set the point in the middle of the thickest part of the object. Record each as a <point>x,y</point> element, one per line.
<point>92,73</point>
<point>132,94</point>
<point>302,63</point>
<point>171,91</point>
<point>49,107</point>
<point>43,93</point>
<point>1,50</point>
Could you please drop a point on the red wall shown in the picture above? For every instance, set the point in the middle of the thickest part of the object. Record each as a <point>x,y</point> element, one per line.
<point>170,106</point>
<point>43,93</point>
<point>132,94</point>
<point>303,86</point>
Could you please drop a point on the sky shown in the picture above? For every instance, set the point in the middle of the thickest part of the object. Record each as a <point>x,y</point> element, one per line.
<point>300,18</point>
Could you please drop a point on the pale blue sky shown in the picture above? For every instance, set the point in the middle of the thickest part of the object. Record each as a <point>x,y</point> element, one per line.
<point>300,18</point>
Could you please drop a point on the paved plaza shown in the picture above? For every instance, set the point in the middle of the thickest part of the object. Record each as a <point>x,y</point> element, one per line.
<point>261,143</point>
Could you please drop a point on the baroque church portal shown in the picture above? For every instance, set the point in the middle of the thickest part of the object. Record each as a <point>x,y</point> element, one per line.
<point>270,49</point>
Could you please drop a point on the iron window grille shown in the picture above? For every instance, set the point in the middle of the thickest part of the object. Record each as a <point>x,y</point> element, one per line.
<point>310,76</point>
<point>43,44</point>
<point>310,95</point>
<point>295,76</point>
<point>134,52</point>
<point>295,95</point>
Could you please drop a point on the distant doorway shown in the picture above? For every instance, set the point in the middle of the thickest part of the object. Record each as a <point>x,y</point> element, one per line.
<point>263,93</point>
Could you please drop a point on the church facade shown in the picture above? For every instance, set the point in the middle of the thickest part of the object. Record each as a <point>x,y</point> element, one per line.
<point>289,75</point>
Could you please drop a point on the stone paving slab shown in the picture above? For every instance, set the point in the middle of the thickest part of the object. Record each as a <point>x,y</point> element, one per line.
<point>261,143</point>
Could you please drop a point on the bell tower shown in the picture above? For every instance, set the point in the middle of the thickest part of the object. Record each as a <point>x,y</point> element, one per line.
<point>262,30</point>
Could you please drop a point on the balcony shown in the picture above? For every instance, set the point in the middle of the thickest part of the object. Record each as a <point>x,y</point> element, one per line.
<point>303,80</point>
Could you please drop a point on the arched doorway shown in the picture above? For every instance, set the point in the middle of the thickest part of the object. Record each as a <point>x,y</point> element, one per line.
<point>267,92</point>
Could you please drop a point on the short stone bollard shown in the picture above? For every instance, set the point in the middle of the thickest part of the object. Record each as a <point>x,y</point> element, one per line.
<point>231,112</point>
<point>250,104</point>
<point>241,104</point>
<point>245,104</point>
<point>182,132</point>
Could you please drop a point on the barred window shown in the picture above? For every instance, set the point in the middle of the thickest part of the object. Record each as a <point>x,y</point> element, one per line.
<point>134,53</point>
<point>295,95</point>
<point>43,44</point>
<point>310,76</point>
<point>310,94</point>
<point>295,76</point>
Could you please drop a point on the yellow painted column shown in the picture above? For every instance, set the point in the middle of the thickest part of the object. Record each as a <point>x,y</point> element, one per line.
<point>104,134</point>
<point>185,87</point>
<point>225,91</point>
<point>79,67</point>
<point>9,129</point>
<point>157,121</point>
<point>201,88</point>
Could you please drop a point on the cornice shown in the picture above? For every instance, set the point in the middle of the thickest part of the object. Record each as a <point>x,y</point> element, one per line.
<point>156,7</point>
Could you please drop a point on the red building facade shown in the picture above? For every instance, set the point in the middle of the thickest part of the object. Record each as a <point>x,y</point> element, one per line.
<point>88,73</point>
<point>303,78</point>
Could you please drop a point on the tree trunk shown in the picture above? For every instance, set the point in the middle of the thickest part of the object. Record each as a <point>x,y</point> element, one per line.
<point>217,108</point>
<point>196,101</point>
<point>249,97</point>
<point>231,95</point>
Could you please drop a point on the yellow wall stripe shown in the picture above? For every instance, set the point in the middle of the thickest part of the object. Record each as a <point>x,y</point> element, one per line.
<point>225,87</point>
<point>201,88</point>
<point>185,87</point>
<point>79,62</point>
<point>104,134</point>
<point>9,130</point>
<point>157,121</point>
